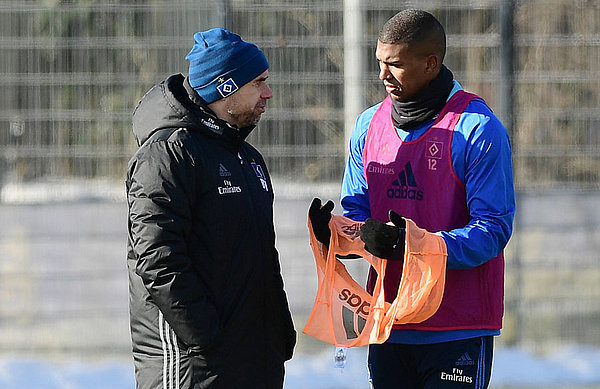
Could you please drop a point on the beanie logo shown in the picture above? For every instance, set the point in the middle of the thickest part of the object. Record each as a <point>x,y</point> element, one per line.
<point>226,88</point>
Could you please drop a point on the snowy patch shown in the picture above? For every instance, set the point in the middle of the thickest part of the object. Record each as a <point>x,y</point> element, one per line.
<point>572,366</point>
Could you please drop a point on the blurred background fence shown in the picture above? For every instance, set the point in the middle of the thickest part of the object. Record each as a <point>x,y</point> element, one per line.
<point>71,73</point>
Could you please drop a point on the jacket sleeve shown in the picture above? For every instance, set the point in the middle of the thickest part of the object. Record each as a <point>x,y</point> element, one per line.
<point>354,192</point>
<point>160,195</point>
<point>290,332</point>
<point>485,167</point>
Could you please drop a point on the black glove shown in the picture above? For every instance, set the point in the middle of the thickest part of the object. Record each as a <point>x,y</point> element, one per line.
<point>319,217</point>
<point>384,240</point>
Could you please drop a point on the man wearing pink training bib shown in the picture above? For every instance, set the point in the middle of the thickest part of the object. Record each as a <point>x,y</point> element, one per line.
<point>435,154</point>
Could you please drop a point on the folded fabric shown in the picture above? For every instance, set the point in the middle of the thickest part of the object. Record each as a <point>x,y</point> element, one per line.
<point>345,314</point>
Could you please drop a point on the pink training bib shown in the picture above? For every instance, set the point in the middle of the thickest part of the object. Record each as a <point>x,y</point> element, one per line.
<point>416,179</point>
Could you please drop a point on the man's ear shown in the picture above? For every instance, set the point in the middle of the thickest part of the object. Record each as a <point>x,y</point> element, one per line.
<point>432,64</point>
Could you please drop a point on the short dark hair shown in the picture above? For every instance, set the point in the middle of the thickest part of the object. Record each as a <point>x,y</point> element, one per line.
<point>413,28</point>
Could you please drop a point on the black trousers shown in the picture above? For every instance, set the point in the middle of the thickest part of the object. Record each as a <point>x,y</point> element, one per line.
<point>458,364</point>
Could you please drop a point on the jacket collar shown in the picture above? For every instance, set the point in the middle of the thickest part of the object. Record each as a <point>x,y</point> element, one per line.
<point>207,118</point>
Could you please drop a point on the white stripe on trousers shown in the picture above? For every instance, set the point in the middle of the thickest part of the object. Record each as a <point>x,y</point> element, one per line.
<point>171,356</point>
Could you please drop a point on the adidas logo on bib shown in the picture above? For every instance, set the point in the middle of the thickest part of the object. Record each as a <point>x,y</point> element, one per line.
<point>405,186</point>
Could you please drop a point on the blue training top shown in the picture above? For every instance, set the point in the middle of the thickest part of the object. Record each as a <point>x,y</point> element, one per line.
<point>482,160</point>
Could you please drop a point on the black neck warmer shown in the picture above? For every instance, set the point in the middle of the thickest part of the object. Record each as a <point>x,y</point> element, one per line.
<point>408,115</point>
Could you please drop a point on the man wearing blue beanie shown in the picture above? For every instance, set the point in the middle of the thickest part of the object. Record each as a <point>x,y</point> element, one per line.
<point>207,304</point>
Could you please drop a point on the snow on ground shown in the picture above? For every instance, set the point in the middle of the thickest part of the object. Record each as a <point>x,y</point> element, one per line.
<point>571,366</point>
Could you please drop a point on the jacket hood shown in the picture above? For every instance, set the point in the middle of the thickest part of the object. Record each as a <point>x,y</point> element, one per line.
<point>169,105</point>
<point>160,108</point>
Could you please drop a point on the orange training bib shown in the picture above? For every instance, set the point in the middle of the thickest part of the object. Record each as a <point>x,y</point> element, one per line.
<point>344,314</point>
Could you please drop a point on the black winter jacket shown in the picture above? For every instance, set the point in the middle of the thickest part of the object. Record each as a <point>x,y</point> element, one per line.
<point>207,304</point>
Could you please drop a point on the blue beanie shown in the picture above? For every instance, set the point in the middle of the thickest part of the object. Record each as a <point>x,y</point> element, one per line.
<point>221,63</point>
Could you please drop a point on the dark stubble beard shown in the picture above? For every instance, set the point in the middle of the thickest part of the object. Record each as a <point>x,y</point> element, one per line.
<point>243,119</point>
